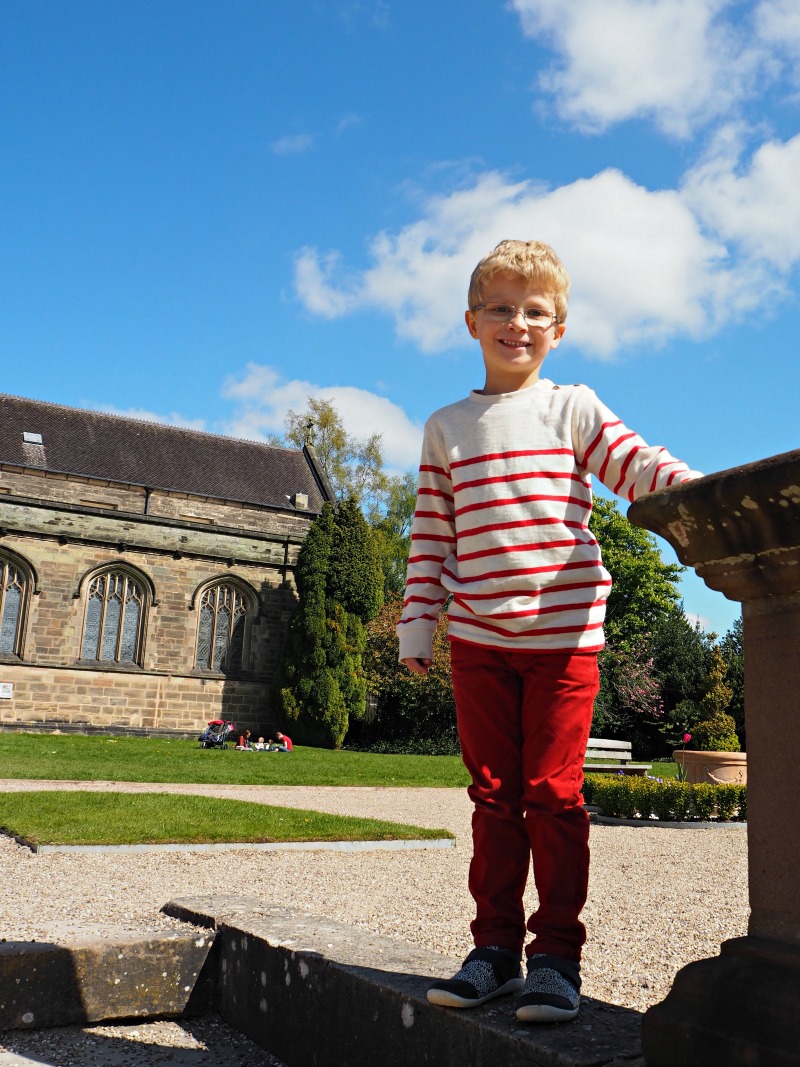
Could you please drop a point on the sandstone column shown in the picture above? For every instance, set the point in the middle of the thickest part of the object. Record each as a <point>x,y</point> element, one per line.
<point>740,530</point>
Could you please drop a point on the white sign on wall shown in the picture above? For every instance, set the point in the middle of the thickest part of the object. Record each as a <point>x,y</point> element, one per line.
<point>6,690</point>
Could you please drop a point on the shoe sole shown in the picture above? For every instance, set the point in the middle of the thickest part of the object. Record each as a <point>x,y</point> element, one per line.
<point>545,1013</point>
<point>445,999</point>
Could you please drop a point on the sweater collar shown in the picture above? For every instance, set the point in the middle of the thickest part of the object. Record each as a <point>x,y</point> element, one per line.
<point>517,396</point>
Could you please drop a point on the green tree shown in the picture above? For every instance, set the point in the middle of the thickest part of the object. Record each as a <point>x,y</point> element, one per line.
<point>630,704</point>
<point>644,585</point>
<point>408,713</point>
<point>354,466</point>
<point>321,681</point>
<point>356,470</point>
<point>681,655</point>
<point>393,530</point>
<point>716,732</point>
<point>732,648</point>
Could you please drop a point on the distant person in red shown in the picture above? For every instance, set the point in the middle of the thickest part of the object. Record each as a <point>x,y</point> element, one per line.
<point>282,743</point>
<point>244,742</point>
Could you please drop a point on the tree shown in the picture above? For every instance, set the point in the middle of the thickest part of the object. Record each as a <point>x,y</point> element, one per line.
<point>409,713</point>
<point>354,466</point>
<point>321,682</point>
<point>645,587</point>
<point>681,655</point>
<point>630,703</point>
<point>716,732</point>
<point>393,530</point>
<point>356,470</point>
<point>732,648</point>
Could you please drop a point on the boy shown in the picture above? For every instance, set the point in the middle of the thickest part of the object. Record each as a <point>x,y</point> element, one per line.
<point>501,527</point>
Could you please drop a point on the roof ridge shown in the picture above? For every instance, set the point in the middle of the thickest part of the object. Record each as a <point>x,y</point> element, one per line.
<point>146,422</point>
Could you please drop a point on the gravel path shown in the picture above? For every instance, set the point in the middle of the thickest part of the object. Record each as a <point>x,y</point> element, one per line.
<point>204,1042</point>
<point>658,897</point>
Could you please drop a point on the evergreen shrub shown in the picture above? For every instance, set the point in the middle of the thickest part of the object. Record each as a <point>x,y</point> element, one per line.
<point>717,734</point>
<point>627,796</point>
<point>321,683</point>
<point>717,731</point>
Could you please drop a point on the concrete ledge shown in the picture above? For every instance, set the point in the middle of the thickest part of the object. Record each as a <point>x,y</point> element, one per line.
<point>396,845</point>
<point>669,824</point>
<point>317,993</point>
<point>92,981</point>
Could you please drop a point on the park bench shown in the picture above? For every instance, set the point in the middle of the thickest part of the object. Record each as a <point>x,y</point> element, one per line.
<point>614,757</point>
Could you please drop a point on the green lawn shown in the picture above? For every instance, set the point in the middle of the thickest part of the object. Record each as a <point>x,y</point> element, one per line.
<point>81,818</point>
<point>73,757</point>
<point>667,769</point>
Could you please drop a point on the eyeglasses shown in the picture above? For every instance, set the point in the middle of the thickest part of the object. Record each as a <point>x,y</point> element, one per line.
<point>542,320</point>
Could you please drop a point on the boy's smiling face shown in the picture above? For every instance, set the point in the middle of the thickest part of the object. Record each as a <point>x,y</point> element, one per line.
<point>513,351</point>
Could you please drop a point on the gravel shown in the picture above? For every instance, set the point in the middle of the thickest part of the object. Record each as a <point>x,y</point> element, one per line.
<point>658,897</point>
<point>204,1042</point>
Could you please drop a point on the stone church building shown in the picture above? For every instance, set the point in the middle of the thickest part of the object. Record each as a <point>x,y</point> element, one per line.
<point>147,571</point>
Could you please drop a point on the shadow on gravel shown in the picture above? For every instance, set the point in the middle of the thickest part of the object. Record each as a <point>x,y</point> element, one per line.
<point>206,1042</point>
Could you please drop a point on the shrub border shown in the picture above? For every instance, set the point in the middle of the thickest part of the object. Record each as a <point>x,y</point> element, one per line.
<point>638,798</point>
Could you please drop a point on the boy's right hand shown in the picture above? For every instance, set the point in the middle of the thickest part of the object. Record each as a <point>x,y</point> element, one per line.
<point>418,666</point>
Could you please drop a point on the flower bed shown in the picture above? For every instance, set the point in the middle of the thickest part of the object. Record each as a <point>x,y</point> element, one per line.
<point>632,797</point>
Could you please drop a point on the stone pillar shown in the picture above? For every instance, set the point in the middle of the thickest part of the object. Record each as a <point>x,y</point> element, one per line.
<point>740,530</point>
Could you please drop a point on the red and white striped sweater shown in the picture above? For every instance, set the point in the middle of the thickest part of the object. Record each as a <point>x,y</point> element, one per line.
<point>502,518</point>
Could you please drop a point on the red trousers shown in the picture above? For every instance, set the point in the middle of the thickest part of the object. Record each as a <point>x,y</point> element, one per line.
<point>523,722</point>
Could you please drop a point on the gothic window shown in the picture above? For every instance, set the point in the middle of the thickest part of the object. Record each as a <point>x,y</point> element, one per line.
<point>14,587</point>
<point>113,627</point>
<point>223,628</point>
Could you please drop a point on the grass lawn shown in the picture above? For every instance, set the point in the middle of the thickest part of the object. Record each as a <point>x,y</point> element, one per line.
<point>80,818</point>
<point>73,757</point>
<point>667,769</point>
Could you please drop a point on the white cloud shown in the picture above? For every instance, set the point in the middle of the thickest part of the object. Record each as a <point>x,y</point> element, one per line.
<point>699,620</point>
<point>347,122</point>
<point>311,278</point>
<point>755,207</point>
<point>778,23</point>
<point>642,270</point>
<point>292,145</point>
<point>262,398</point>
<point>173,419</point>
<point>677,62</point>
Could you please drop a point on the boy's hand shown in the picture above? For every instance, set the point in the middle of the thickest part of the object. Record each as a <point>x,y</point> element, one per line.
<point>418,666</point>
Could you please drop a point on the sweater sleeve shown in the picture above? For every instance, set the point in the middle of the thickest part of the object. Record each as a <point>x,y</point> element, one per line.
<point>623,462</point>
<point>433,539</point>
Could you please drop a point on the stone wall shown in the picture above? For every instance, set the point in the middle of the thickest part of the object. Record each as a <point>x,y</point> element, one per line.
<point>85,700</point>
<point>64,529</point>
<point>46,486</point>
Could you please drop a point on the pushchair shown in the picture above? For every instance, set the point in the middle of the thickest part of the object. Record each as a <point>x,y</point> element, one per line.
<point>216,734</point>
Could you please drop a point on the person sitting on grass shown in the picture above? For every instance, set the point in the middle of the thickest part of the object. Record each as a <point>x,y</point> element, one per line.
<point>244,744</point>
<point>282,743</point>
<point>259,746</point>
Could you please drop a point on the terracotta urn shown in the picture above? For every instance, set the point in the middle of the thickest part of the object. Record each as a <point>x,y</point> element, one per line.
<point>719,768</point>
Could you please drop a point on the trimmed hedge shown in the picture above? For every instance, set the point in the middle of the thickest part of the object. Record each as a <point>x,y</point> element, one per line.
<point>623,796</point>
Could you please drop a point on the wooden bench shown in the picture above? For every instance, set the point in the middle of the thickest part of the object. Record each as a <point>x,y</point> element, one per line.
<point>620,752</point>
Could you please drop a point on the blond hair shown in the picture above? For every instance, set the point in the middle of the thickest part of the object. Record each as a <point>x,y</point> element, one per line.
<point>533,260</point>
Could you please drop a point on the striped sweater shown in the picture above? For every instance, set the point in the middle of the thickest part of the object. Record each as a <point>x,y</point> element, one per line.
<point>502,518</point>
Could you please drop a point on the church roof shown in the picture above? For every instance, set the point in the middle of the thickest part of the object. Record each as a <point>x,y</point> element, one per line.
<point>43,436</point>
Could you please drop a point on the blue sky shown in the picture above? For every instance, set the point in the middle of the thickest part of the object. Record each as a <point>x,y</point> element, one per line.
<point>211,210</point>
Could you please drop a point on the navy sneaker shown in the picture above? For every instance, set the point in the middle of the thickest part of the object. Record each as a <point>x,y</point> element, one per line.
<point>552,990</point>
<point>486,973</point>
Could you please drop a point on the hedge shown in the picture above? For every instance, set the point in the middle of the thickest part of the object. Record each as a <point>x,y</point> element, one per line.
<point>632,796</point>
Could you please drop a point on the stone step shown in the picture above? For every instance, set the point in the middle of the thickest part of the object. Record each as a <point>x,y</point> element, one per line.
<point>94,980</point>
<point>318,993</point>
